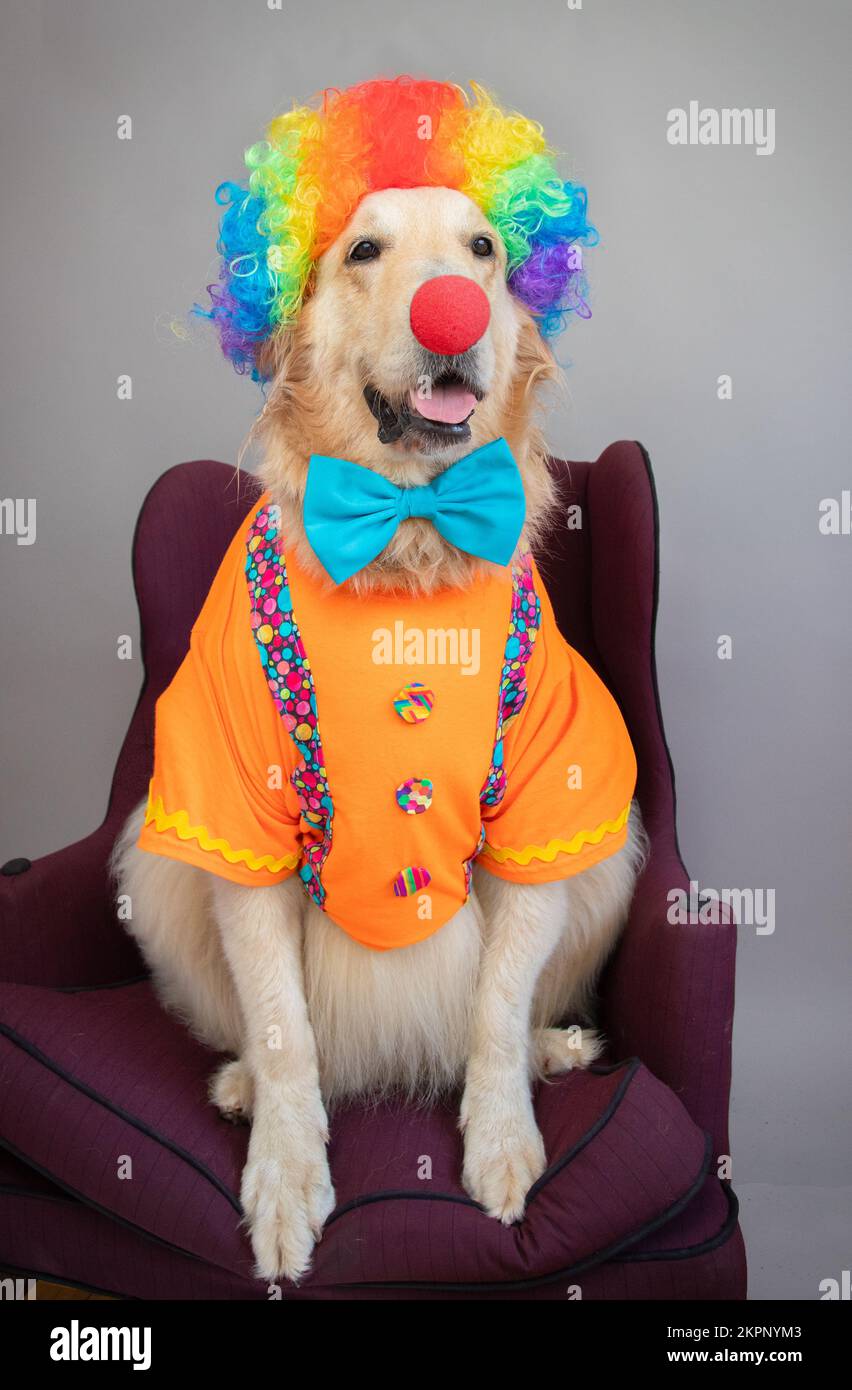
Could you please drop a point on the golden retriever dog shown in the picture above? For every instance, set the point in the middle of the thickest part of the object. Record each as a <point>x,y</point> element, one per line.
<point>478,1003</point>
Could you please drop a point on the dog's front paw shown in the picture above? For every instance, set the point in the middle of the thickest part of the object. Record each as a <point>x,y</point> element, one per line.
<point>286,1194</point>
<point>503,1153</point>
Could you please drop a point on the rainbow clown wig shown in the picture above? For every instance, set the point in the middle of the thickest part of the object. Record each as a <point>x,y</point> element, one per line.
<point>317,163</point>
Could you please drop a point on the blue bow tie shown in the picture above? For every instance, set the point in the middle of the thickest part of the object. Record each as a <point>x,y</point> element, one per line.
<point>351,513</point>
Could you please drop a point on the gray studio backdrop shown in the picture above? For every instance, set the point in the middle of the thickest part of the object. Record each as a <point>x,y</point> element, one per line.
<point>714,260</point>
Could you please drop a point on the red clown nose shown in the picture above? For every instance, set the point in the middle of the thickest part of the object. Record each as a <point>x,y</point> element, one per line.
<point>449,314</point>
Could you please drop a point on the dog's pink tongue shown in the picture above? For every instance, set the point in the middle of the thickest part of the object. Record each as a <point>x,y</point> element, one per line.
<point>449,404</point>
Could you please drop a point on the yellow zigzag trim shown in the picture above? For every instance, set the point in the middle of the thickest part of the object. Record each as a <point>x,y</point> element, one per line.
<point>547,853</point>
<point>161,819</point>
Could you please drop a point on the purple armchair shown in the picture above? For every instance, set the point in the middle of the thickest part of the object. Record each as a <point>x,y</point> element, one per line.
<point>117,1175</point>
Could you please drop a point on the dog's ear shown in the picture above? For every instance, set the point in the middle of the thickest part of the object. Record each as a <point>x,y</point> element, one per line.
<point>535,364</point>
<point>282,358</point>
<point>275,354</point>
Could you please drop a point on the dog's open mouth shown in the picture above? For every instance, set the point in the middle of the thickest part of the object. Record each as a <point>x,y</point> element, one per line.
<point>440,413</point>
<point>450,402</point>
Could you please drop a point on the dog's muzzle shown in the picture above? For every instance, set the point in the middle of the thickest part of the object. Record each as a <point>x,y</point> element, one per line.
<point>393,420</point>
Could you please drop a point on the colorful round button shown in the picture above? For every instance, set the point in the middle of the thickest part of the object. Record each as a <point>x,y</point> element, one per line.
<point>414,795</point>
<point>409,881</point>
<point>414,702</point>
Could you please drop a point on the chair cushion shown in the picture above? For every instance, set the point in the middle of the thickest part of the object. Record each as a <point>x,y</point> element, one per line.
<point>44,1231</point>
<point>104,1094</point>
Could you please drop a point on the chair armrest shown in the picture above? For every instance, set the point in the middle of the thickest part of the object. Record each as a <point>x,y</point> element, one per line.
<point>58,925</point>
<point>668,996</point>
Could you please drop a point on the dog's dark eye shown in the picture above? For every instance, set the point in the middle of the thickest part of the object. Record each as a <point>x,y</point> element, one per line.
<point>364,251</point>
<point>482,246</point>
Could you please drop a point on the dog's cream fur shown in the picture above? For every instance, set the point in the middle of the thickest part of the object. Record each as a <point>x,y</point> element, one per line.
<point>309,1015</point>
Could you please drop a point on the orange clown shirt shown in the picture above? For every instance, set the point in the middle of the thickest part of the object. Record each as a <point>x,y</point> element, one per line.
<point>376,746</point>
